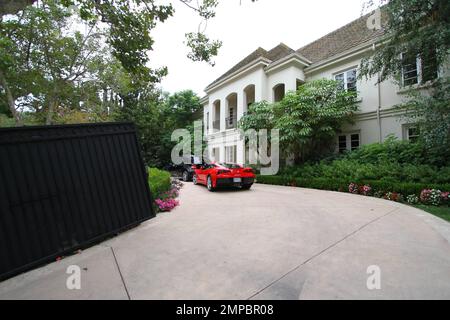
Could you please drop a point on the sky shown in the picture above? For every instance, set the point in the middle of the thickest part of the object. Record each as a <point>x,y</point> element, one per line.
<point>243,26</point>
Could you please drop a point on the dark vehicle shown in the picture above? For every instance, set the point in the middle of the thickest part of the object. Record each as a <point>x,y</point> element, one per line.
<point>185,168</point>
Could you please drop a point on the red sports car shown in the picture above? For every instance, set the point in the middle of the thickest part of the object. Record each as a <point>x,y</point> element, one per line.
<point>223,175</point>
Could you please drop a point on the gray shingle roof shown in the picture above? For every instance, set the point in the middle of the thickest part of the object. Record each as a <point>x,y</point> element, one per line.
<point>338,41</point>
<point>276,53</point>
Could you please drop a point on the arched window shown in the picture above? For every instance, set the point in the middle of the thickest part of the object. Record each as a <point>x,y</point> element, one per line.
<point>216,115</point>
<point>278,92</point>
<point>231,111</point>
<point>249,96</point>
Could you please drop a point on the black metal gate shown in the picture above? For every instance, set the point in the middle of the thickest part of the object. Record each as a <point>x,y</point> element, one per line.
<point>65,187</point>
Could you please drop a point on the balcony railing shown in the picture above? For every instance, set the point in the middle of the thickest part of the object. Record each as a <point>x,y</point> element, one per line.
<point>216,125</point>
<point>231,122</point>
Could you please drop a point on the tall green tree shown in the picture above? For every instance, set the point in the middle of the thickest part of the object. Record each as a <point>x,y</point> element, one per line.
<point>414,27</point>
<point>308,119</point>
<point>45,64</point>
<point>418,29</point>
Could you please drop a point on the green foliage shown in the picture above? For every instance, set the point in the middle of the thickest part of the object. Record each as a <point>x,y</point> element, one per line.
<point>431,114</point>
<point>391,150</point>
<point>308,119</point>
<point>156,116</point>
<point>334,184</point>
<point>393,166</point>
<point>442,212</point>
<point>260,115</point>
<point>420,29</point>
<point>414,26</point>
<point>159,182</point>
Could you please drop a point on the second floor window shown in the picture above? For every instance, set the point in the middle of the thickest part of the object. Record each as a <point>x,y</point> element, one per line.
<point>419,69</point>
<point>347,80</point>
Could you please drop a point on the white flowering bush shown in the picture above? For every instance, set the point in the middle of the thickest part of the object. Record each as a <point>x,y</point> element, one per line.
<point>412,199</point>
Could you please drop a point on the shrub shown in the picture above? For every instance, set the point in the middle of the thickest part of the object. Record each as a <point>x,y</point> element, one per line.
<point>412,199</point>
<point>353,188</point>
<point>445,197</point>
<point>159,182</point>
<point>431,196</point>
<point>167,204</point>
<point>393,196</point>
<point>365,190</point>
<point>435,197</point>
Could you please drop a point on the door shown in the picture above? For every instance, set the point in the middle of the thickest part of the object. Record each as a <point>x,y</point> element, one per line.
<point>201,174</point>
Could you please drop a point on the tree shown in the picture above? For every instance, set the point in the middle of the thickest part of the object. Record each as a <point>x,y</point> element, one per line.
<point>415,27</point>
<point>431,114</point>
<point>308,119</point>
<point>130,23</point>
<point>44,64</point>
<point>156,116</point>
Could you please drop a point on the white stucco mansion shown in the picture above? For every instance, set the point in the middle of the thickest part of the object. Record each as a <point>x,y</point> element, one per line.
<point>268,75</point>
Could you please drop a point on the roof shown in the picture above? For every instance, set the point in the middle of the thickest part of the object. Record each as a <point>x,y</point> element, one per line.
<point>340,40</point>
<point>276,53</point>
<point>347,37</point>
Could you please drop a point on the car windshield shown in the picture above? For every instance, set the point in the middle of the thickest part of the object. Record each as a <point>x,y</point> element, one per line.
<point>231,166</point>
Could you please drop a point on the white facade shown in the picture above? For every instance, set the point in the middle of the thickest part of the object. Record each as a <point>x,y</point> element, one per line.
<point>374,122</point>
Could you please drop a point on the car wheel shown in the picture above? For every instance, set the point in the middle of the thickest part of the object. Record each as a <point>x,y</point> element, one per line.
<point>194,179</point>
<point>246,186</point>
<point>209,185</point>
<point>185,176</point>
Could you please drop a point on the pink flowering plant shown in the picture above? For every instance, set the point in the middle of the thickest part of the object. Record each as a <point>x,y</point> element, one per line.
<point>167,204</point>
<point>167,200</point>
<point>365,190</point>
<point>353,188</point>
<point>431,196</point>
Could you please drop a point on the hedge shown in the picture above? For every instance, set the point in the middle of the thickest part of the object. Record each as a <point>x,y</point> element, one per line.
<point>405,188</point>
<point>159,182</point>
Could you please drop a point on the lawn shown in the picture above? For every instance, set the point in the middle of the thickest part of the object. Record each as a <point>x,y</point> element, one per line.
<point>441,212</point>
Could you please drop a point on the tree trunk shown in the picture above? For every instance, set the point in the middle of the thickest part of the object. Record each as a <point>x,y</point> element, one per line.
<point>51,109</point>
<point>10,98</point>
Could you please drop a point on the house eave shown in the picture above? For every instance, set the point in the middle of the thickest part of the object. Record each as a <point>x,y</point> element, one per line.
<point>252,65</point>
<point>292,58</point>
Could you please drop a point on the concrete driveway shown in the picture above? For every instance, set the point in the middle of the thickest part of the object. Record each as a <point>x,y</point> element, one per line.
<point>267,243</point>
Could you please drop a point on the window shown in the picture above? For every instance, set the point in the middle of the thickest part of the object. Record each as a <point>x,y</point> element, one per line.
<point>231,116</point>
<point>347,142</point>
<point>342,144</point>
<point>419,69</point>
<point>354,141</point>
<point>207,122</point>
<point>347,80</point>
<point>409,70</point>
<point>412,134</point>
<point>230,154</point>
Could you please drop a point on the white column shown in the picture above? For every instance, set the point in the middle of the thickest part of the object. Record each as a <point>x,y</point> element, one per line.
<point>223,106</point>
<point>222,153</point>
<point>259,93</point>
<point>240,157</point>
<point>291,85</point>
<point>211,117</point>
<point>240,105</point>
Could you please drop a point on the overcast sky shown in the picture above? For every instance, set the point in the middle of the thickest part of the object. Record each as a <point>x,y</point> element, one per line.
<point>243,28</point>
